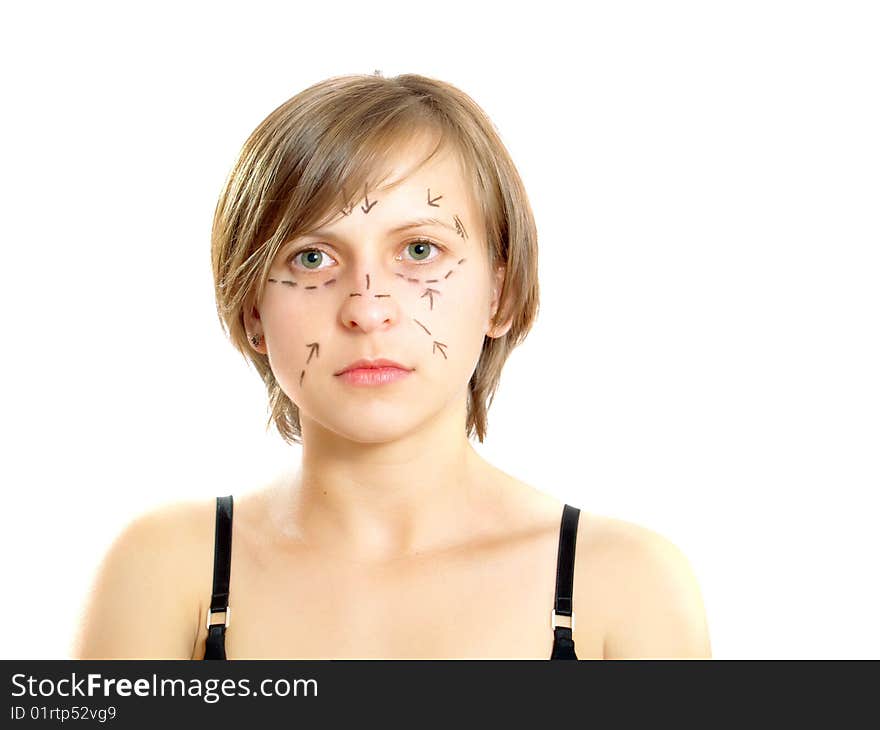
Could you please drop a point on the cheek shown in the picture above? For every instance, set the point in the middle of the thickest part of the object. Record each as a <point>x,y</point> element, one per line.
<point>456,322</point>
<point>288,321</point>
<point>462,307</point>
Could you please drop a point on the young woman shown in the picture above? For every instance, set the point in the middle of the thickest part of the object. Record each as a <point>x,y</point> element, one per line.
<point>375,258</point>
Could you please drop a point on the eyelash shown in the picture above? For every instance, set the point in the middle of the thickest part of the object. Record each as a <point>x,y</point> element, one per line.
<point>292,257</point>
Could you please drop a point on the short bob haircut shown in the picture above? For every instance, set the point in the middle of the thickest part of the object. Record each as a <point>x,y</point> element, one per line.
<point>325,146</point>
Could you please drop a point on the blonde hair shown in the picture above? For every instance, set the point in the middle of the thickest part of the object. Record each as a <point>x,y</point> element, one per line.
<point>308,157</point>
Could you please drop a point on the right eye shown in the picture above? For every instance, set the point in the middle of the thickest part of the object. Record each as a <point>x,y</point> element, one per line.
<point>309,258</point>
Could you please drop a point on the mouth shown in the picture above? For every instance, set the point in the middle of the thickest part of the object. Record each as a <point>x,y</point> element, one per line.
<point>377,364</point>
<point>373,372</point>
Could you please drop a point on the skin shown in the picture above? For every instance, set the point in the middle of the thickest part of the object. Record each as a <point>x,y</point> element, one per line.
<point>386,471</point>
<point>392,538</point>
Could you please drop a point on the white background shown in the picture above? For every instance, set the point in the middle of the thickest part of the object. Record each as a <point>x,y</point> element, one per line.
<point>705,178</point>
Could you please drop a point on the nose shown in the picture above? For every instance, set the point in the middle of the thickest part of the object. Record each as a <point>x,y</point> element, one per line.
<point>371,306</point>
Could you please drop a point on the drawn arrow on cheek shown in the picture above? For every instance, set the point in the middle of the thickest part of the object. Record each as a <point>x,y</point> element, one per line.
<point>440,346</point>
<point>429,292</point>
<point>313,351</point>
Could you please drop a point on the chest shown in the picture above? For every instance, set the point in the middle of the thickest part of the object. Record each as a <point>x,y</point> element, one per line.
<point>492,602</point>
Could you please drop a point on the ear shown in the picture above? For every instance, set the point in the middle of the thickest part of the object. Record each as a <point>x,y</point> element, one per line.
<point>499,330</point>
<point>253,325</point>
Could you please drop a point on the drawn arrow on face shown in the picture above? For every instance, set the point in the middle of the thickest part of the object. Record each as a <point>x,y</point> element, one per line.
<point>429,292</point>
<point>431,202</point>
<point>369,204</point>
<point>313,351</point>
<point>440,345</point>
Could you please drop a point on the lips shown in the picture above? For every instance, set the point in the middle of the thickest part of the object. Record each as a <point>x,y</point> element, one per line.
<point>368,364</point>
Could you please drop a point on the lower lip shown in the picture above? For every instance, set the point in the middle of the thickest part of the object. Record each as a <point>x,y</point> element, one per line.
<point>373,376</point>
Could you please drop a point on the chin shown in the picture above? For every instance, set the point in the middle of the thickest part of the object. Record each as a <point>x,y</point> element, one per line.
<point>374,423</point>
<point>367,432</point>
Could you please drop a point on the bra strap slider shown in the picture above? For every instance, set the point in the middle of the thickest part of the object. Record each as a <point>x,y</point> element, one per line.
<point>554,616</point>
<point>226,610</point>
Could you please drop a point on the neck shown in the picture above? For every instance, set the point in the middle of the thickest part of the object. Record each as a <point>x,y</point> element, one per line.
<point>376,502</point>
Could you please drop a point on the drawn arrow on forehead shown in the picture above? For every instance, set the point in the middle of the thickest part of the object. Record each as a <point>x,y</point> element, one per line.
<point>369,204</point>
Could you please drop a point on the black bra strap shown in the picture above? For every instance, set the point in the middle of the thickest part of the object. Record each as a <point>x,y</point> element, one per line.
<point>563,642</point>
<point>215,644</point>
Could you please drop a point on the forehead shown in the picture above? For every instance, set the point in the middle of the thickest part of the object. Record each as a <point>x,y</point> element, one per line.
<point>409,188</point>
<point>442,169</point>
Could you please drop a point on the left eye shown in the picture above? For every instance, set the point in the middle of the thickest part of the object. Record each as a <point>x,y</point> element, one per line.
<point>421,248</point>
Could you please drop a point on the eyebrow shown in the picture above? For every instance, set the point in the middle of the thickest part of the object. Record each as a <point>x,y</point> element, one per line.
<point>405,226</point>
<point>419,222</point>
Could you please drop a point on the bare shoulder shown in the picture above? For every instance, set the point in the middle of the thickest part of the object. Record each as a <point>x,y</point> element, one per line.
<point>643,587</point>
<point>143,601</point>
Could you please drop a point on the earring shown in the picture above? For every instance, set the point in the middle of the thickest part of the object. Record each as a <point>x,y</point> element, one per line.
<point>255,340</point>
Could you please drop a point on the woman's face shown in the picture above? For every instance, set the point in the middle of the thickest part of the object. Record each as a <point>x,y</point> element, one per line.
<point>365,287</point>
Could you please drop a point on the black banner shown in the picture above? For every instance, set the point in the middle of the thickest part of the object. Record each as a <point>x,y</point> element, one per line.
<point>407,693</point>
